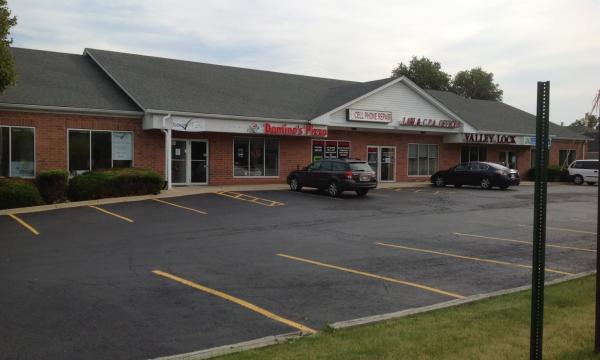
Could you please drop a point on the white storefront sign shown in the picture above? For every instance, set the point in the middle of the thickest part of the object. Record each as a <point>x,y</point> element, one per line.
<point>369,115</point>
<point>500,139</point>
<point>121,146</point>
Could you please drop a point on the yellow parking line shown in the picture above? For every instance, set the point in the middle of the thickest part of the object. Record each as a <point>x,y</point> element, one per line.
<point>25,225</point>
<point>111,213</point>
<point>236,300</point>
<point>181,206</point>
<point>374,276</point>
<point>524,242</point>
<point>563,229</point>
<point>470,258</point>
<point>249,198</point>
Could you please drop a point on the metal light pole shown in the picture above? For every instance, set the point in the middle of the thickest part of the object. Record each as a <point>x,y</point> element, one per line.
<point>539,220</point>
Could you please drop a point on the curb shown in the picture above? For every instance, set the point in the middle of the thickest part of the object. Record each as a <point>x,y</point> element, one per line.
<point>228,349</point>
<point>278,339</point>
<point>467,300</point>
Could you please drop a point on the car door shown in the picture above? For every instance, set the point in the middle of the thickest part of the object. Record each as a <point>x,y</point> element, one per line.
<point>309,176</point>
<point>475,173</point>
<point>590,169</point>
<point>324,174</point>
<point>459,174</point>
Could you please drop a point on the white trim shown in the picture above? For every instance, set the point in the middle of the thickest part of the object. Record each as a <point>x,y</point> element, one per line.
<point>90,146</point>
<point>264,158</point>
<point>411,85</point>
<point>70,110</point>
<point>378,170</point>
<point>437,159</point>
<point>188,161</point>
<point>225,117</point>
<point>10,150</point>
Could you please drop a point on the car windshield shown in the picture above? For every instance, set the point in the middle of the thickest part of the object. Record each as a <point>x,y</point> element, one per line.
<point>360,166</point>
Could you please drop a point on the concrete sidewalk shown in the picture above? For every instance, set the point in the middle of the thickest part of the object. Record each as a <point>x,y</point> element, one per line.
<point>183,191</point>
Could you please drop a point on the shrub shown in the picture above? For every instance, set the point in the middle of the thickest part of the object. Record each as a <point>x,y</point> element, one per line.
<point>52,185</point>
<point>113,183</point>
<point>555,173</point>
<point>18,193</point>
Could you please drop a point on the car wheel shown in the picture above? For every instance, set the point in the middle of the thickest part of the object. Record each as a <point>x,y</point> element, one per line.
<point>362,192</point>
<point>439,181</point>
<point>591,183</point>
<point>333,189</point>
<point>578,179</point>
<point>486,183</point>
<point>295,184</point>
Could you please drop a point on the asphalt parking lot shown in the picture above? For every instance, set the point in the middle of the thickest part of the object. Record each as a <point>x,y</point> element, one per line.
<point>154,278</point>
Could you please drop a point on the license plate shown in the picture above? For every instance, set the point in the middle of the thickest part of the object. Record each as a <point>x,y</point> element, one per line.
<point>512,176</point>
<point>365,178</point>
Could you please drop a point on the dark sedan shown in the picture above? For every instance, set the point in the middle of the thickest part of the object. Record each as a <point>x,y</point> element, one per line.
<point>335,175</point>
<point>476,173</point>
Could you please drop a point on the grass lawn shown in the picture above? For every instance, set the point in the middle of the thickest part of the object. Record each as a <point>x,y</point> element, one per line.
<point>496,328</point>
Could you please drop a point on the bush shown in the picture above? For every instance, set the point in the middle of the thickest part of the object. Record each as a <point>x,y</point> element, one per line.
<point>52,185</point>
<point>16,193</point>
<point>114,183</point>
<point>555,173</point>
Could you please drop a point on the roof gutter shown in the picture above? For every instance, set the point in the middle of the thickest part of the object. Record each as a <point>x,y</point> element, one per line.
<point>71,110</point>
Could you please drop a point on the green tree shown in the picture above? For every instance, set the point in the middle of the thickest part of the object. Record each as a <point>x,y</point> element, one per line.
<point>8,74</point>
<point>476,84</point>
<point>425,73</point>
<point>586,123</point>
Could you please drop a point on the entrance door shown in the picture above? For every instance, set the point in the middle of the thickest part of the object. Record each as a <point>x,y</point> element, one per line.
<point>383,161</point>
<point>508,159</point>
<point>189,162</point>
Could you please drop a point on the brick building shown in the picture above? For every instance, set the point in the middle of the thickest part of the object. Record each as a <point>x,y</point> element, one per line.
<point>199,123</point>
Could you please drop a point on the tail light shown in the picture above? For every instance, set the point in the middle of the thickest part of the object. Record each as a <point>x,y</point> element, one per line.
<point>348,174</point>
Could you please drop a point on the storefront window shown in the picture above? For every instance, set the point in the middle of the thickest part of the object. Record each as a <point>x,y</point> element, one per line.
<point>330,149</point>
<point>17,152</point>
<point>93,150</point>
<point>422,159</point>
<point>255,157</point>
<point>4,151</point>
<point>473,153</point>
<point>566,157</point>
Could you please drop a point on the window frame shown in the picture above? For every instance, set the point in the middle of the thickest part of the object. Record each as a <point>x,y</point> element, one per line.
<point>437,159</point>
<point>568,151</point>
<point>264,157</point>
<point>90,147</point>
<point>10,150</point>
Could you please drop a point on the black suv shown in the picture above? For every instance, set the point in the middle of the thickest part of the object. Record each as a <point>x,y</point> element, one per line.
<point>335,175</point>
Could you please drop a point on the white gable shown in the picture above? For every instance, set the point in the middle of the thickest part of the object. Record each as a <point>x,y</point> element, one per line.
<point>403,102</point>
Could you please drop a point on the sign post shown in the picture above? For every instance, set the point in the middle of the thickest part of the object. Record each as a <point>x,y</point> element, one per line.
<point>539,220</point>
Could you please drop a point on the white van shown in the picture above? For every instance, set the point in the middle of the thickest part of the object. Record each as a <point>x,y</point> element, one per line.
<point>584,170</point>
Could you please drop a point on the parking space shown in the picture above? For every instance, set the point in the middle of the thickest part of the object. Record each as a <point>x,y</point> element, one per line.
<point>167,276</point>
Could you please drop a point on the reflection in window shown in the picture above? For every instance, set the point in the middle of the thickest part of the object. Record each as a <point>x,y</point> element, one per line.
<point>255,157</point>
<point>422,159</point>
<point>93,150</point>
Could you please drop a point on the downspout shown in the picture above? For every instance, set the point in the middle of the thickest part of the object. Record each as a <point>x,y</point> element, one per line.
<point>167,132</point>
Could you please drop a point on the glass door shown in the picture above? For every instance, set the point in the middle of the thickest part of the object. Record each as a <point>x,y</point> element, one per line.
<point>508,159</point>
<point>387,163</point>
<point>199,162</point>
<point>189,162</point>
<point>383,161</point>
<point>179,161</point>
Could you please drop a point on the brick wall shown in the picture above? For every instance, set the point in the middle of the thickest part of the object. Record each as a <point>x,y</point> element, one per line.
<point>557,145</point>
<point>51,136</point>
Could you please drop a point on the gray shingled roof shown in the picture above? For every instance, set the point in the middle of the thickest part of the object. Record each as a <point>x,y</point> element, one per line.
<point>66,80</point>
<point>486,115</point>
<point>177,85</point>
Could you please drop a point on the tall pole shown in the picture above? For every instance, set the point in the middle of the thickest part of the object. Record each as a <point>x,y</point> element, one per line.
<point>539,220</point>
<point>597,335</point>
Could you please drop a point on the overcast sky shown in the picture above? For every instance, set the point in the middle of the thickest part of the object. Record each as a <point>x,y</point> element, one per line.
<point>521,42</point>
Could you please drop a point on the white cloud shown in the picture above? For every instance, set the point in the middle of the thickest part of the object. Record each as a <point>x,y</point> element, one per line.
<point>521,42</point>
